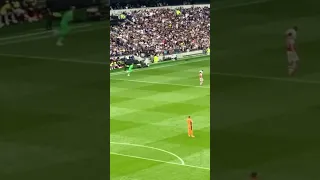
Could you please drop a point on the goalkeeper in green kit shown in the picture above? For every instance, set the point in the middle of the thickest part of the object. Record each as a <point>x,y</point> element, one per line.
<point>130,69</point>
<point>64,25</point>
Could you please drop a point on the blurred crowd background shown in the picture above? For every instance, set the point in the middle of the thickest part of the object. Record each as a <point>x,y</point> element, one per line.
<point>152,32</point>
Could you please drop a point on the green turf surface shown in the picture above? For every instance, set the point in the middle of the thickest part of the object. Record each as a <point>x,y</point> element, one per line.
<point>54,107</point>
<point>148,122</point>
<point>261,119</point>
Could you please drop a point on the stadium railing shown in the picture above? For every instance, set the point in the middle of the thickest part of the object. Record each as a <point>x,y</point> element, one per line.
<point>121,61</point>
<point>119,11</point>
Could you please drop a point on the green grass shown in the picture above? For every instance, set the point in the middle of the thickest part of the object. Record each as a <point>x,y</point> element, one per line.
<point>261,119</point>
<point>53,112</point>
<point>148,122</point>
<point>54,116</point>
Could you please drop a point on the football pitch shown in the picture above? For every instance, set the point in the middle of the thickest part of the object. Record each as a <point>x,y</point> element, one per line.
<point>53,105</point>
<point>262,120</point>
<point>54,113</point>
<point>148,111</point>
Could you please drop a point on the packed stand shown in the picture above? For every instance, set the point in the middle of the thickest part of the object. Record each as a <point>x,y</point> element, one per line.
<point>139,4</point>
<point>161,31</point>
<point>143,4</point>
<point>15,11</point>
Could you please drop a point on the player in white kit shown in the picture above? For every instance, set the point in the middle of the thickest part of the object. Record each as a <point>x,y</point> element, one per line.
<point>201,77</point>
<point>293,58</point>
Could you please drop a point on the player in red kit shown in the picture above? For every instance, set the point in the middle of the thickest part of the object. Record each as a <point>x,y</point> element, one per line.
<point>291,51</point>
<point>201,77</point>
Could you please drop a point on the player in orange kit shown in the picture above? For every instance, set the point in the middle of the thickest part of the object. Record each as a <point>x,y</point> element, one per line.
<point>190,128</point>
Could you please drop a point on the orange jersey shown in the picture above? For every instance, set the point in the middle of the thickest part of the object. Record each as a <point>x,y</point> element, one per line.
<point>189,121</point>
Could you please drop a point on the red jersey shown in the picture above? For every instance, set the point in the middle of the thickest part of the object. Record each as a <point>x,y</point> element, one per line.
<point>291,45</point>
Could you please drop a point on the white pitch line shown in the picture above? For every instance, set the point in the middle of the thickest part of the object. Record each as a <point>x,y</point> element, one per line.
<point>42,29</point>
<point>25,35</point>
<point>53,59</point>
<point>242,4</point>
<point>155,160</point>
<point>46,36</point>
<point>93,62</point>
<point>293,80</point>
<point>164,83</point>
<point>182,61</point>
<point>15,41</point>
<point>150,147</point>
<point>41,32</point>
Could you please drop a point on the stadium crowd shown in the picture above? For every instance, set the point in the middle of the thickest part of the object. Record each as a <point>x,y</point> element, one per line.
<point>145,3</point>
<point>161,31</point>
<point>15,11</point>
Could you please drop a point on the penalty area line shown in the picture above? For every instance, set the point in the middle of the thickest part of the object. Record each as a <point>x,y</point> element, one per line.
<point>165,64</point>
<point>41,32</point>
<point>241,4</point>
<point>280,79</point>
<point>161,83</point>
<point>52,59</point>
<point>244,76</point>
<point>150,147</point>
<point>160,161</point>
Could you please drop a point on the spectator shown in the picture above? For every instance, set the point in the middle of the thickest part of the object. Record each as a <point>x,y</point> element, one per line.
<point>48,14</point>
<point>20,13</point>
<point>32,10</point>
<point>161,31</point>
<point>134,4</point>
<point>6,14</point>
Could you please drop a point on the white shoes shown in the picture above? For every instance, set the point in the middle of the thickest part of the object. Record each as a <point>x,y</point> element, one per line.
<point>59,43</point>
